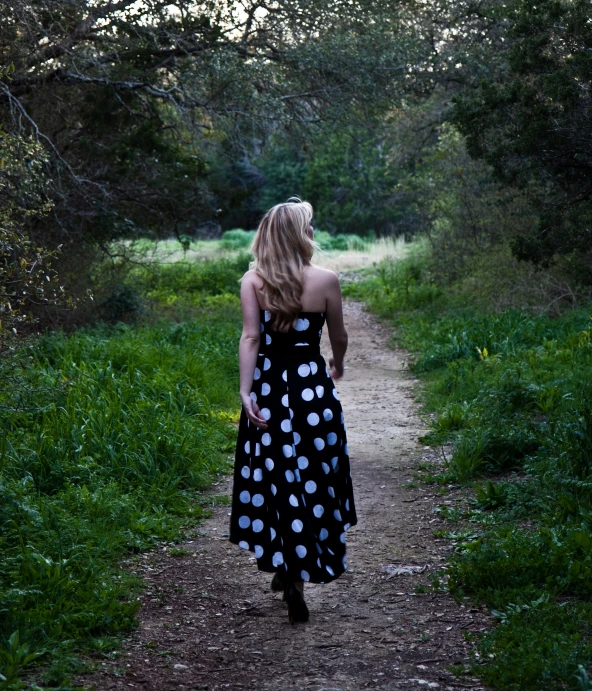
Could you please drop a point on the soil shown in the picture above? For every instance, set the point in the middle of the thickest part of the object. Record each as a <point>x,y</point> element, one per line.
<point>209,621</point>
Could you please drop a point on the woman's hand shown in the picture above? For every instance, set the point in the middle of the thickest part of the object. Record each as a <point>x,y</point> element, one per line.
<point>253,412</point>
<point>336,369</point>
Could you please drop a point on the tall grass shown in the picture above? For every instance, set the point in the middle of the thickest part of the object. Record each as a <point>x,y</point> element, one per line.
<point>512,396</point>
<point>108,453</point>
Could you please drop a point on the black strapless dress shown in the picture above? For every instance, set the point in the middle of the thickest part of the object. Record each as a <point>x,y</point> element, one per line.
<point>292,499</point>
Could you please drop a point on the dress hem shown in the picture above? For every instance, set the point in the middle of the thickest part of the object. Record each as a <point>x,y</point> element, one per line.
<point>272,569</point>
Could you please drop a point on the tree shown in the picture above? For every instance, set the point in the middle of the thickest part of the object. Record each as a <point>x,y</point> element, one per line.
<point>346,174</point>
<point>137,103</point>
<point>27,282</point>
<point>533,126</point>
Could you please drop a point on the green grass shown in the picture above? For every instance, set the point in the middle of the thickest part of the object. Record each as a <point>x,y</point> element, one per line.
<point>105,448</point>
<point>512,396</point>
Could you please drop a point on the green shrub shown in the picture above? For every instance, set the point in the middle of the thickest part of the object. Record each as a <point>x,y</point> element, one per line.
<point>237,239</point>
<point>396,286</point>
<point>193,282</point>
<point>467,457</point>
<point>341,243</point>
<point>537,646</point>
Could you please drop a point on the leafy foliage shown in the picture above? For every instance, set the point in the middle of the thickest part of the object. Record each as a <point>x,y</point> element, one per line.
<point>512,395</point>
<point>464,212</point>
<point>151,114</point>
<point>346,173</point>
<point>532,125</point>
<point>27,282</point>
<point>107,454</point>
<point>237,239</point>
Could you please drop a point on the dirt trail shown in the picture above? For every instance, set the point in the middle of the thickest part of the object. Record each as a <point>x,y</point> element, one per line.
<point>209,620</point>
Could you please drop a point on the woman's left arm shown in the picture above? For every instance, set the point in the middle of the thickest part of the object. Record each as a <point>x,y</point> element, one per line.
<point>249,348</point>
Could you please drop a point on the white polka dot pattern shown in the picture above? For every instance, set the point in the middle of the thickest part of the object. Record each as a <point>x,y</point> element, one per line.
<point>293,504</point>
<point>313,419</point>
<point>304,370</point>
<point>301,324</point>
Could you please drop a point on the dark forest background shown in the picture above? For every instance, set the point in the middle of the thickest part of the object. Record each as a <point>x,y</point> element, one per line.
<point>468,122</point>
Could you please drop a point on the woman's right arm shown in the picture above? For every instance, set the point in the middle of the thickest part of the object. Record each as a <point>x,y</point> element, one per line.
<point>249,348</point>
<point>335,326</point>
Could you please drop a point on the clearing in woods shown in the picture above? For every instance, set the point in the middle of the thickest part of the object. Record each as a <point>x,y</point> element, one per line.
<point>209,620</point>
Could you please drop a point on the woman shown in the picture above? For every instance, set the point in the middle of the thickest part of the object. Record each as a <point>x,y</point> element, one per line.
<point>292,499</point>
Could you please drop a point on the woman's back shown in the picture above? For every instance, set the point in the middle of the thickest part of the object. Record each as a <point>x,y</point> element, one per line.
<point>292,498</point>
<point>321,293</point>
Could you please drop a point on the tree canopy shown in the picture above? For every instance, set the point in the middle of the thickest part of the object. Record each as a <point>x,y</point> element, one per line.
<point>533,125</point>
<point>134,101</point>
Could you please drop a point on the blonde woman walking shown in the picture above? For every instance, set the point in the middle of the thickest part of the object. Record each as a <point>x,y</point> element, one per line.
<point>292,498</point>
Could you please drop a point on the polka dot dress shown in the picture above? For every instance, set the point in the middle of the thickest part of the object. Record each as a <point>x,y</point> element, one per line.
<point>292,499</point>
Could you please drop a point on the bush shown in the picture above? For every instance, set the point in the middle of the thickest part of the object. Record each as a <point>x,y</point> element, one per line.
<point>237,239</point>
<point>27,282</point>
<point>191,283</point>
<point>539,645</point>
<point>342,243</point>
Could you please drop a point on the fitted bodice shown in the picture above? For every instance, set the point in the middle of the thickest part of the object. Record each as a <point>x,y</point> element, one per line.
<point>303,338</point>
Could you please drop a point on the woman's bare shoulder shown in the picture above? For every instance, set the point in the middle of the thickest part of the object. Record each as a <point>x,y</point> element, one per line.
<point>251,277</point>
<point>321,275</point>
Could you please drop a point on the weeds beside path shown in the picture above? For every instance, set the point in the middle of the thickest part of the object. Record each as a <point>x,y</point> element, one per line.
<point>209,621</point>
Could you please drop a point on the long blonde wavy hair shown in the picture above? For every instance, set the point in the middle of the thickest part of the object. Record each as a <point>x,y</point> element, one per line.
<point>282,249</point>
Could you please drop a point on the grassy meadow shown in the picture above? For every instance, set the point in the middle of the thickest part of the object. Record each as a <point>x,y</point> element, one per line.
<point>508,393</point>
<point>108,439</point>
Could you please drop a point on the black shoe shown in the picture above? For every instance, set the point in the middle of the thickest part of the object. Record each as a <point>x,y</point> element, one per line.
<point>277,583</point>
<point>297,609</point>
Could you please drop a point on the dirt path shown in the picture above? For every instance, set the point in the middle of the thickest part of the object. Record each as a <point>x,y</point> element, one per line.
<point>209,621</point>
